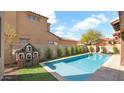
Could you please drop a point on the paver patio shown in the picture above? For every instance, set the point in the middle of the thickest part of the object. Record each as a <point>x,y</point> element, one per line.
<point>10,74</point>
<point>110,71</point>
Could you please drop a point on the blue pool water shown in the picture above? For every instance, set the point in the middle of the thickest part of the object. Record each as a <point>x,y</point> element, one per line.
<point>79,67</point>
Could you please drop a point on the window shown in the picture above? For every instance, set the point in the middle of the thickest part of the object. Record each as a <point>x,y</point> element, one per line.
<point>34,18</point>
<point>29,48</point>
<point>52,42</point>
<point>24,40</point>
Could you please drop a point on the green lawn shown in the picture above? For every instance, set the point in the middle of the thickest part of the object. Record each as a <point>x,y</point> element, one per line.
<point>35,73</point>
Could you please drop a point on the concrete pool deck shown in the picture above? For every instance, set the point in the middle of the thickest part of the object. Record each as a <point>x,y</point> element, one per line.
<point>110,71</point>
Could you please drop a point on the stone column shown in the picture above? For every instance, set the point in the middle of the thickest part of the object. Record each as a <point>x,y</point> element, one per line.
<point>121,17</point>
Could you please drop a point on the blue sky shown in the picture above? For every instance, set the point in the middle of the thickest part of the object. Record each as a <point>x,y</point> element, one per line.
<point>72,24</point>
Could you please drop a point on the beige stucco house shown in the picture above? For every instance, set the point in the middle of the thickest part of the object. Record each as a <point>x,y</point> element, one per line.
<point>31,27</point>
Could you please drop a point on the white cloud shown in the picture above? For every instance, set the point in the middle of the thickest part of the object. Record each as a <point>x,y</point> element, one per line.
<point>59,33</point>
<point>60,30</point>
<point>70,35</point>
<point>87,23</point>
<point>50,14</point>
<point>101,17</point>
<point>90,22</point>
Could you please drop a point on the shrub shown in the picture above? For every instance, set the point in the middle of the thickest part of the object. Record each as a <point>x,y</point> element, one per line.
<point>82,49</point>
<point>115,50</point>
<point>73,49</point>
<point>77,49</point>
<point>60,52</point>
<point>49,53</point>
<point>91,49</point>
<point>97,49</point>
<point>109,42</point>
<point>68,51</point>
<point>104,50</point>
<point>40,52</point>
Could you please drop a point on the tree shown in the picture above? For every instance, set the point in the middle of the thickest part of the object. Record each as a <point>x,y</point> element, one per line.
<point>91,36</point>
<point>11,37</point>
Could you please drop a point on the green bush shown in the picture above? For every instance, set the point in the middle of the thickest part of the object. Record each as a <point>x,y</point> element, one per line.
<point>115,50</point>
<point>104,50</point>
<point>91,49</point>
<point>49,53</point>
<point>82,49</point>
<point>40,52</point>
<point>60,52</point>
<point>77,49</point>
<point>109,42</point>
<point>68,51</point>
<point>73,49</point>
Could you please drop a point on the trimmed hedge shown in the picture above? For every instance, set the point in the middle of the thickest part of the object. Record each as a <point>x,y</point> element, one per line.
<point>60,52</point>
<point>49,53</point>
<point>68,51</point>
<point>73,49</point>
<point>115,50</point>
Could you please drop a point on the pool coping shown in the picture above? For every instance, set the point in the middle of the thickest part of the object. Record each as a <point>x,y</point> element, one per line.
<point>55,74</point>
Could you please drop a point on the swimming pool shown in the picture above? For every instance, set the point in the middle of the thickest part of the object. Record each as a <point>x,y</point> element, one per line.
<point>78,68</point>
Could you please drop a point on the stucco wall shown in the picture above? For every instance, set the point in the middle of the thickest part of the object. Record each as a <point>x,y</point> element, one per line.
<point>121,17</point>
<point>2,46</point>
<point>67,42</point>
<point>36,31</point>
<point>9,18</point>
<point>109,47</point>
